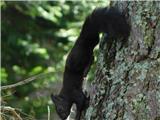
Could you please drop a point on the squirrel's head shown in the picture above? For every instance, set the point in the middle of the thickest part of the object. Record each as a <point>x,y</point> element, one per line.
<point>62,106</point>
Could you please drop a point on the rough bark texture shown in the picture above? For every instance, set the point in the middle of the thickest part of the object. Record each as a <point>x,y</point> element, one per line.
<point>127,80</point>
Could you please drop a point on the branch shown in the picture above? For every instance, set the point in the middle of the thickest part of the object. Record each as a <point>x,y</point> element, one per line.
<point>24,81</point>
<point>11,110</point>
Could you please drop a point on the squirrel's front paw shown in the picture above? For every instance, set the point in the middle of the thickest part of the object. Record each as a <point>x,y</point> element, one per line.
<point>87,102</point>
<point>87,99</point>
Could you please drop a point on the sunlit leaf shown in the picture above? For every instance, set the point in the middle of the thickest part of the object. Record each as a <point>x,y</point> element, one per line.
<point>3,75</point>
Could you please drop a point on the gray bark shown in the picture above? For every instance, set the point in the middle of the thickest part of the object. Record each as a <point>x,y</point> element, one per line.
<point>127,79</point>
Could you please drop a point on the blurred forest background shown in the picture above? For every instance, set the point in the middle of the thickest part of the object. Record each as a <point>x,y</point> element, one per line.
<point>36,38</point>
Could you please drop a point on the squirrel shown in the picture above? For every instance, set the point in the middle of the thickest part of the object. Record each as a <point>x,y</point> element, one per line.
<point>105,20</point>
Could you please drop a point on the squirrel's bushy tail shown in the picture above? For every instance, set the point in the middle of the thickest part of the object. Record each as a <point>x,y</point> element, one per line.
<point>106,20</point>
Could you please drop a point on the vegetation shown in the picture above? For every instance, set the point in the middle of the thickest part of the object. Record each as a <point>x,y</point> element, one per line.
<point>36,37</point>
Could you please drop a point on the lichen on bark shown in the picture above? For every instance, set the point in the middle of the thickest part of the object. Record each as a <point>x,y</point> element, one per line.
<point>127,79</point>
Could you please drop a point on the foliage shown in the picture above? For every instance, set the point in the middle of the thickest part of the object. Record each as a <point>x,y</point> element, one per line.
<point>36,37</point>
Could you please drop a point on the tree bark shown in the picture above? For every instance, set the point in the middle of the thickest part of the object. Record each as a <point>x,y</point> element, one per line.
<point>127,79</point>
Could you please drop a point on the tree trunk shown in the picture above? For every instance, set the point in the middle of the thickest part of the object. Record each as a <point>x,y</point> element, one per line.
<point>127,79</point>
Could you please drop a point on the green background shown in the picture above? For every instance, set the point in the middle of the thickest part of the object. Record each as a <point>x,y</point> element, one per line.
<point>36,38</point>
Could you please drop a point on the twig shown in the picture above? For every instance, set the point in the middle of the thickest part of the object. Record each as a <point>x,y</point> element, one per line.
<point>12,110</point>
<point>48,112</point>
<point>28,117</point>
<point>24,81</point>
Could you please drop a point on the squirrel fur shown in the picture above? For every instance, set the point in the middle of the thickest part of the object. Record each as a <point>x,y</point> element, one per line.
<point>79,60</point>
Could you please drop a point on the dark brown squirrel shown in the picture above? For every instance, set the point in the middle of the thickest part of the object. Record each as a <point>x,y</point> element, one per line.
<point>79,60</point>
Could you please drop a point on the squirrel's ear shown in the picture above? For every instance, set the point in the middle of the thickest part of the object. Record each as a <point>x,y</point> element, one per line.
<point>54,98</point>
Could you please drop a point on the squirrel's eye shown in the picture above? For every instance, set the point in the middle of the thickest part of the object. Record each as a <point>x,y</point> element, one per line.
<point>60,110</point>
